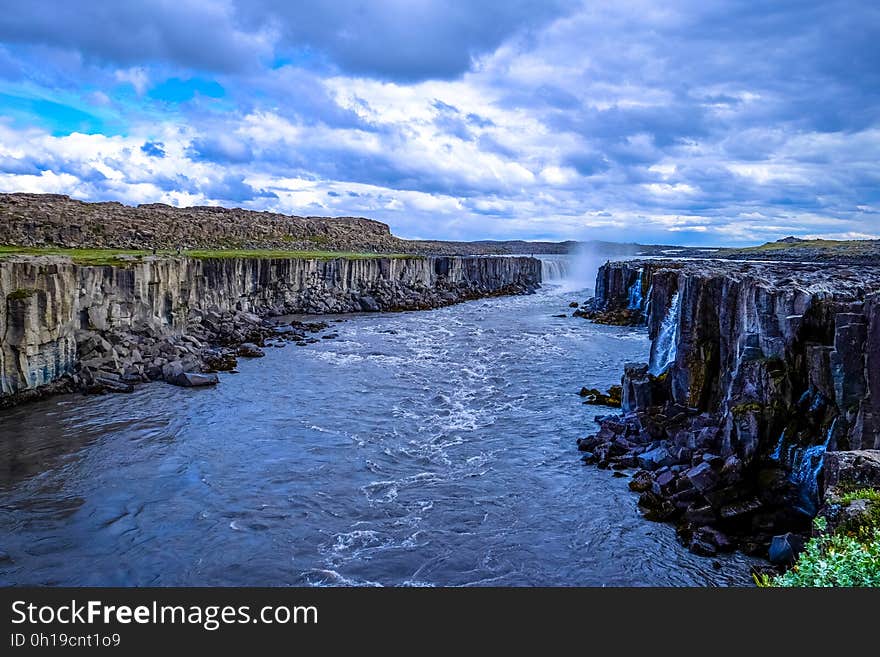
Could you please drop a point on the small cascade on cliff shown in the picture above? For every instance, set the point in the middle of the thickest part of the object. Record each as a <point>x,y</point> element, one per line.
<point>647,313</point>
<point>805,464</point>
<point>635,293</point>
<point>555,269</point>
<point>663,350</point>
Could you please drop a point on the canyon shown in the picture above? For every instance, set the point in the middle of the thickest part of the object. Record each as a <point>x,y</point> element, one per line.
<point>70,326</point>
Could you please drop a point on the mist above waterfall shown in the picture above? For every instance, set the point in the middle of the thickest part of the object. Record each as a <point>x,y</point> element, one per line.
<point>576,271</point>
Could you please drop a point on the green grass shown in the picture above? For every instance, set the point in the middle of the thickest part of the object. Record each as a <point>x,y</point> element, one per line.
<point>835,560</point>
<point>850,556</point>
<point>99,257</point>
<point>870,494</point>
<point>840,247</point>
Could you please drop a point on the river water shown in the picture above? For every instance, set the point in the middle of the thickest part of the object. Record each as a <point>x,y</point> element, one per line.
<point>426,448</point>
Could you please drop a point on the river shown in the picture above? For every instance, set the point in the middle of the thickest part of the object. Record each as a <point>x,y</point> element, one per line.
<point>425,448</point>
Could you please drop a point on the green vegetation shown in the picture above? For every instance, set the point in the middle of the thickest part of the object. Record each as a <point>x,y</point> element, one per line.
<point>834,560</point>
<point>870,494</point>
<point>850,556</point>
<point>815,244</point>
<point>827,248</point>
<point>21,293</point>
<point>119,257</point>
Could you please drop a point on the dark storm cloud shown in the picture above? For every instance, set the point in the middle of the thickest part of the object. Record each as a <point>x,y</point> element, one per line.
<point>398,39</point>
<point>201,35</point>
<point>392,39</point>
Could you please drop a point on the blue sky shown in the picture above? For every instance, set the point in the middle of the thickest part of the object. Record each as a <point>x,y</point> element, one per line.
<point>692,122</point>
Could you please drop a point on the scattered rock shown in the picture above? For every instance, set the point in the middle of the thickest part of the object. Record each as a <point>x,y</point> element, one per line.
<point>595,397</point>
<point>655,458</point>
<point>250,350</point>
<point>641,481</point>
<point>194,379</point>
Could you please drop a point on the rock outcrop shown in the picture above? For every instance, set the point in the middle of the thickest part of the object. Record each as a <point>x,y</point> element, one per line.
<point>160,318</point>
<point>755,371</point>
<point>55,220</point>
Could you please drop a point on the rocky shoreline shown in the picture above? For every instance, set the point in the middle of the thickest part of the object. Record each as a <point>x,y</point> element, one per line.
<point>759,375</point>
<point>97,329</point>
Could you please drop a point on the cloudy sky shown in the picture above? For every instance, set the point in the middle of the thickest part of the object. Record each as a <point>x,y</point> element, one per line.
<point>683,121</point>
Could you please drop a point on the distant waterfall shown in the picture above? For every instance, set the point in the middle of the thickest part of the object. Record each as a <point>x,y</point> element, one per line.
<point>555,269</point>
<point>635,293</point>
<point>663,351</point>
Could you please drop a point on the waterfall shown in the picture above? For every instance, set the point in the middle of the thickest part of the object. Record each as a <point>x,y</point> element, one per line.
<point>635,293</point>
<point>647,314</point>
<point>663,350</point>
<point>555,269</point>
<point>777,453</point>
<point>805,464</point>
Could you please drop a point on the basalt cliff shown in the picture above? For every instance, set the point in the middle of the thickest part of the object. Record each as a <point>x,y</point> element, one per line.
<point>759,375</point>
<point>69,326</point>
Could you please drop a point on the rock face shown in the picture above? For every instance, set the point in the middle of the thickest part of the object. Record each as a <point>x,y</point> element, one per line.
<point>160,317</point>
<point>755,371</point>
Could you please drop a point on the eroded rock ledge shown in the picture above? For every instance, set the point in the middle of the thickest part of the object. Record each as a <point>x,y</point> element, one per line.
<point>755,372</point>
<point>65,326</point>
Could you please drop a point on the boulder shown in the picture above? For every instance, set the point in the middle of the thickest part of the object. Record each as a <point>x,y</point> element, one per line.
<point>707,541</point>
<point>702,476</point>
<point>250,350</point>
<point>368,304</point>
<point>857,468</point>
<point>194,380</point>
<point>785,548</point>
<point>111,384</point>
<point>655,458</point>
<point>641,481</point>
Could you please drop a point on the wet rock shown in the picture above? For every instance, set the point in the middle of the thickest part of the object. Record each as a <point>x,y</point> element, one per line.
<point>194,379</point>
<point>250,350</point>
<point>707,541</point>
<point>368,304</point>
<point>785,548</point>
<point>598,398</point>
<point>663,483</point>
<point>111,384</point>
<point>702,476</point>
<point>700,515</point>
<point>641,481</point>
<point>656,508</point>
<point>655,458</point>
<point>739,509</point>
<point>219,360</point>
